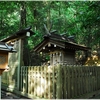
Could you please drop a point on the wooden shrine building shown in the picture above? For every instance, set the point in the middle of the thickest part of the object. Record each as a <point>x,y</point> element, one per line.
<point>61,48</point>
<point>15,60</point>
<point>18,41</point>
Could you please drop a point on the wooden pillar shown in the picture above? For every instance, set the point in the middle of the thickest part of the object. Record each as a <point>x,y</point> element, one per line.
<point>20,64</point>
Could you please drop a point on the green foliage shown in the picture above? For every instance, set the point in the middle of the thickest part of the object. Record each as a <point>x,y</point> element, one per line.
<point>9,18</point>
<point>78,18</point>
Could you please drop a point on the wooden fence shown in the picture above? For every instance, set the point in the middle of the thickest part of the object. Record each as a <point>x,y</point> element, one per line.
<point>60,81</point>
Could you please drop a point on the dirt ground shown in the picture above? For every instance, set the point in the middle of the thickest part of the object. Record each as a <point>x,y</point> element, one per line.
<point>9,95</point>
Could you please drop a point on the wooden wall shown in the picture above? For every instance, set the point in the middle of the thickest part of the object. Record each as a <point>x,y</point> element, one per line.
<point>10,78</point>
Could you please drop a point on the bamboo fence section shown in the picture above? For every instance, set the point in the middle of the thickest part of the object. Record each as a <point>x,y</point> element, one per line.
<point>59,82</point>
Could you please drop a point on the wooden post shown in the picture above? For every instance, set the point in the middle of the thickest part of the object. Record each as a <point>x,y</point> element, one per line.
<point>19,65</point>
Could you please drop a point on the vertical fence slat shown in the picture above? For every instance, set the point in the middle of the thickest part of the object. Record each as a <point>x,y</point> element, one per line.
<point>85,87</point>
<point>96,78</point>
<point>54,83</point>
<point>37,84</point>
<point>75,80</point>
<point>69,75</point>
<point>82,78</point>
<point>29,80</point>
<point>21,75</point>
<point>65,82</point>
<point>49,83</point>
<point>26,79</point>
<point>78,81</point>
<point>90,80</point>
<point>97,69</point>
<point>99,77</point>
<point>34,79</point>
<point>72,82</point>
<point>87,80</point>
<point>59,82</point>
<point>47,79</point>
<point>43,86</point>
<point>56,71</point>
<point>23,79</point>
<point>44,69</point>
<point>80,85</point>
<point>93,79</point>
<point>41,72</point>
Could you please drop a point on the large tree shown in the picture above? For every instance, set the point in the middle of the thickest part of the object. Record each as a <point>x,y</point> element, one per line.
<point>78,18</point>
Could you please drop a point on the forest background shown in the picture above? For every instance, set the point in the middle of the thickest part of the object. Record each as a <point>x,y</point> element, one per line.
<point>78,18</point>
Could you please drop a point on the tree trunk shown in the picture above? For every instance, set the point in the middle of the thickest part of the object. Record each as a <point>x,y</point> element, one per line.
<point>22,14</point>
<point>26,51</point>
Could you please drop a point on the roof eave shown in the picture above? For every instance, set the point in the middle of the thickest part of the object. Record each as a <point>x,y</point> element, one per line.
<point>18,34</point>
<point>61,44</point>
